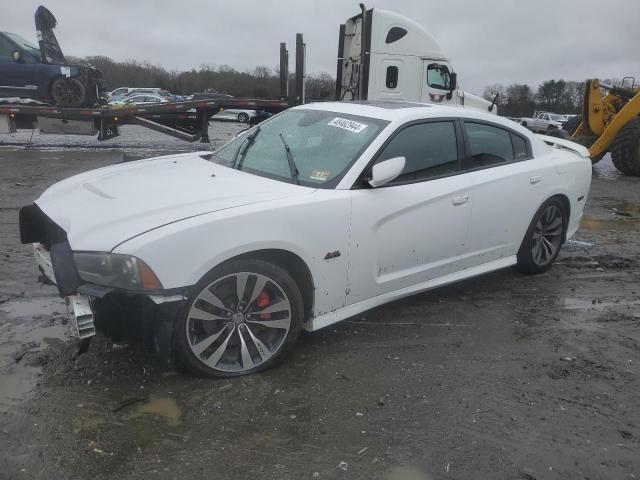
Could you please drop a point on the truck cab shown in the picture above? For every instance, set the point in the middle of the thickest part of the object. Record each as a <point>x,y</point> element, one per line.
<point>383,55</point>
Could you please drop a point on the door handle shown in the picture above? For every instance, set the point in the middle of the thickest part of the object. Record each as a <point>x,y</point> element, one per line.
<point>535,179</point>
<point>460,200</point>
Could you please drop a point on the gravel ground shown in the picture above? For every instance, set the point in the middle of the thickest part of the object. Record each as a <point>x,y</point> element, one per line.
<point>500,377</point>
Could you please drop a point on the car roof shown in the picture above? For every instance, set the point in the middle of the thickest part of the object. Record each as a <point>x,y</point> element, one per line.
<point>401,111</point>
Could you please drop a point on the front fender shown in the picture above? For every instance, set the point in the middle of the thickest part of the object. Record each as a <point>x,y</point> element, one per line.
<point>314,229</point>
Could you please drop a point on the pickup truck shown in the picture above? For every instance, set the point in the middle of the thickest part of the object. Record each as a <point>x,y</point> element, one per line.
<point>542,122</point>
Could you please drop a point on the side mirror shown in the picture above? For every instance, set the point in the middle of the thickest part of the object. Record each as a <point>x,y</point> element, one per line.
<point>453,84</point>
<point>17,56</point>
<point>386,171</point>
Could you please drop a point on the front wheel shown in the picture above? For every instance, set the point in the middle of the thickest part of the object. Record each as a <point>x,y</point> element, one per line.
<point>243,117</point>
<point>543,239</point>
<point>241,318</point>
<point>69,92</point>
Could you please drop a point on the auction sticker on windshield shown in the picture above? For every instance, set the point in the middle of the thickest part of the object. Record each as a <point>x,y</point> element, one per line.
<point>321,175</point>
<point>351,125</point>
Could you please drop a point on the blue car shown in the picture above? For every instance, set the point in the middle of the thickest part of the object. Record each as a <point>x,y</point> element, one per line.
<point>42,73</point>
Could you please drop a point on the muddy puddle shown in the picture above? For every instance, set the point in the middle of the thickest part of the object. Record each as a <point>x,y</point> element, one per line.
<point>165,408</point>
<point>27,328</point>
<point>625,223</point>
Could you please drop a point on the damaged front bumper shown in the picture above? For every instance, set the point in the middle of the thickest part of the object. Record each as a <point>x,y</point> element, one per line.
<point>120,314</point>
<point>80,304</point>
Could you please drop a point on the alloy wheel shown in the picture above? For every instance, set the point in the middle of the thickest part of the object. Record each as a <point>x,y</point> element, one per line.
<point>547,235</point>
<point>68,92</point>
<point>238,322</point>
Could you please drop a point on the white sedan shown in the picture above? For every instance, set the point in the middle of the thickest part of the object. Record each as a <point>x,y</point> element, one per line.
<point>317,214</point>
<point>142,99</point>
<point>239,115</point>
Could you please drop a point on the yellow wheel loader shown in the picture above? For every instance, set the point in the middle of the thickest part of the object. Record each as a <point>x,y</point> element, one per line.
<point>610,123</point>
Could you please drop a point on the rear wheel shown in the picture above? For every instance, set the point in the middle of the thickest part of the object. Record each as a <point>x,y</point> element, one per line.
<point>242,317</point>
<point>543,239</point>
<point>625,149</point>
<point>69,92</point>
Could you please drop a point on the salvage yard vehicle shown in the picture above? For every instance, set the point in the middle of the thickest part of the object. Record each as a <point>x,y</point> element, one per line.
<point>242,116</point>
<point>315,215</point>
<point>122,92</point>
<point>141,99</point>
<point>542,122</point>
<point>43,73</point>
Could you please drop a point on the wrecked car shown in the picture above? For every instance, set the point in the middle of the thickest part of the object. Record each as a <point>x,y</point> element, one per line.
<point>42,73</point>
<point>317,214</point>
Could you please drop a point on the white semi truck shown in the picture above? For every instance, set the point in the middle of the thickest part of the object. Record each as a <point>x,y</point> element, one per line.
<point>383,55</point>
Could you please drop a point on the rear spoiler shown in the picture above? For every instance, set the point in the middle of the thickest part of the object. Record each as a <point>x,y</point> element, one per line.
<point>562,144</point>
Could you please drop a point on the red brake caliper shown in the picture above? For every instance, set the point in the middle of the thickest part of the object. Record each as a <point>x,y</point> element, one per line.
<point>262,301</point>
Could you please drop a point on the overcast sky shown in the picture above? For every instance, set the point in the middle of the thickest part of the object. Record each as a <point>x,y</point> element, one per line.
<point>488,41</point>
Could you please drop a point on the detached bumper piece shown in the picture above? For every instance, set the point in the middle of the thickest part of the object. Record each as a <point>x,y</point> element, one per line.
<point>36,227</point>
<point>83,316</point>
<point>55,260</point>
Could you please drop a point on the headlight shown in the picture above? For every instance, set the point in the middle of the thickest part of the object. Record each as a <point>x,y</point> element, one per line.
<point>113,270</point>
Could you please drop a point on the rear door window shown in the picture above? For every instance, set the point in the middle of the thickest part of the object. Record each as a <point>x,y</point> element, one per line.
<point>488,146</point>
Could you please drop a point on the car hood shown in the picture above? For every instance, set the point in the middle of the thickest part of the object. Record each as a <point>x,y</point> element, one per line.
<point>102,208</point>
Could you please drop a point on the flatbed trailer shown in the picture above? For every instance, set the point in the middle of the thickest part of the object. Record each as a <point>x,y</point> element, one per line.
<point>187,120</point>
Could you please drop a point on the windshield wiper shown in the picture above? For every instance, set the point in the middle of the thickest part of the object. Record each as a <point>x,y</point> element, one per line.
<point>241,155</point>
<point>295,174</point>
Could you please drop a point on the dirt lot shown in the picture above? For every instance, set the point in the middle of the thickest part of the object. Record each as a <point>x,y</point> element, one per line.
<point>501,377</point>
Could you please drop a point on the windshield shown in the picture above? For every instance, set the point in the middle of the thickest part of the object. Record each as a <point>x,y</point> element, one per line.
<point>323,146</point>
<point>556,118</point>
<point>24,43</point>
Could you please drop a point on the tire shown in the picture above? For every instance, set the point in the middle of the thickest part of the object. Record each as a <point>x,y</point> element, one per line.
<point>69,92</point>
<point>625,149</point>
<point>243,117</point>
<point>524,124</point>
<point>221,335</point>
<point>544,238</point>
<point>572,125</point>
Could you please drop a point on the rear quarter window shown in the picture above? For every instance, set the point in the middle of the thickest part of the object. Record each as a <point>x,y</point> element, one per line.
<point>520,150</point>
